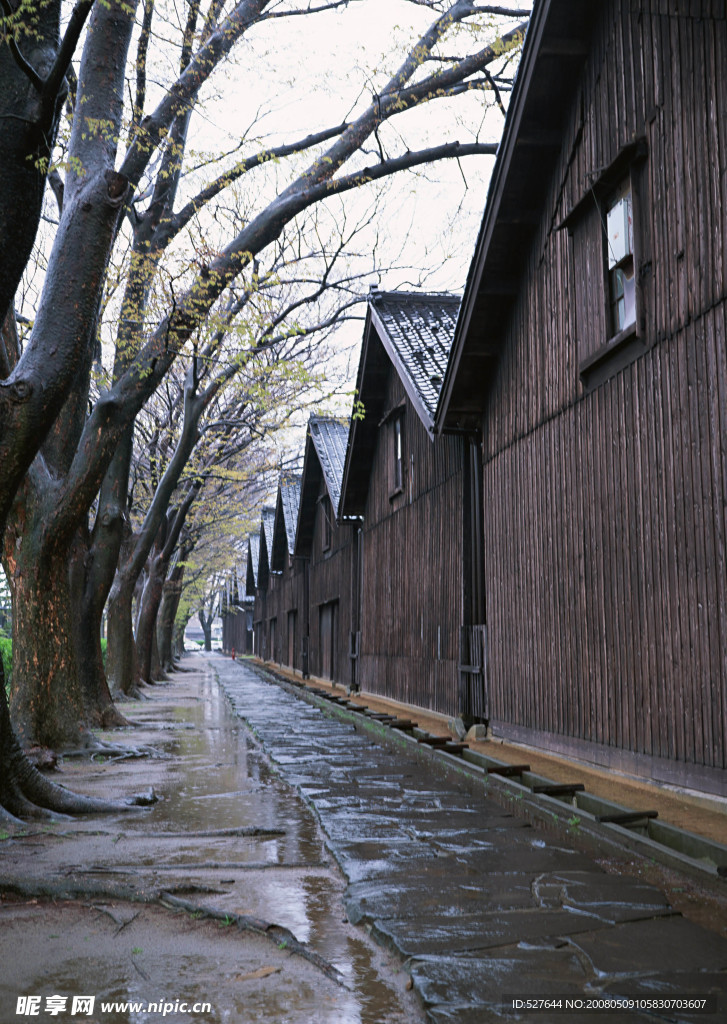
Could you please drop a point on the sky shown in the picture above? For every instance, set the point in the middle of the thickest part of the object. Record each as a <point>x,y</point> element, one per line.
<point>298,74</point>
<point>301,74</point>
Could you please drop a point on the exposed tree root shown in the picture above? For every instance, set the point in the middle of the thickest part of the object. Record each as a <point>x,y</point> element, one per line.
<point>114,751</point>
<point>111,718</point>
<point>73,889</point>
<point>27,793</point>
<point>281,936</point>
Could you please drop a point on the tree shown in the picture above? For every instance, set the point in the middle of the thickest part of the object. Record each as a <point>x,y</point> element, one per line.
<point>49,375</point>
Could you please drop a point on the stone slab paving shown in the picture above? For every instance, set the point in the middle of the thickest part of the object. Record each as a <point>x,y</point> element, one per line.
<point>481,904</point>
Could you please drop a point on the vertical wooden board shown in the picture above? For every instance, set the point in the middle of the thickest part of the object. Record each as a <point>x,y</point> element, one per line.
<point>711,497</point>
<point>546,681</point>
<point>656,542</point>
<point>694,537</point>
<point>647,640</point>
<point>532,540</point>
<point>716,140</point>
<point>707,270</point>
<point>719,150</point>
<point>640,637</point>
<point>522,580</point>
<point>564,559</point>
<point>679,206</point>
<point>673,496</point>
<point>589,627</point>
<point>496,556</point>
<point>580,684</point>
<point>685,560</point>
<point>600,512</point>
<point>621,681</point>
<point>560,570</point>
<point>705,551</point>
<point>596,557</point>
<point>720,462</point>
<point>630,683</point>
<point>672,400</point>
<point>693,258</point>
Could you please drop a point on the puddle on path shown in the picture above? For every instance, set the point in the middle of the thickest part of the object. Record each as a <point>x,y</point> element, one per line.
<point>215,788</point>
<point>159,960</point>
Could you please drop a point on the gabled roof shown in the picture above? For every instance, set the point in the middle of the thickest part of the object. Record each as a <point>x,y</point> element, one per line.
<point>329,438</point>
<point>554,52</point>
<point>413,333</point>
<point>325,450</point>
<point>253,564</point>
<point>417,330</point>
<point>286,520</point>
<point>266,545</point>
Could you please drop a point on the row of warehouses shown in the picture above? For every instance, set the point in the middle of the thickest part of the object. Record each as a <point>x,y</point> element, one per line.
<point>526,522</point>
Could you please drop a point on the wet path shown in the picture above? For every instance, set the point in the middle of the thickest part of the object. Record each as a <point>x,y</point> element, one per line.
<point>481,904</point>
<point>228,834</point>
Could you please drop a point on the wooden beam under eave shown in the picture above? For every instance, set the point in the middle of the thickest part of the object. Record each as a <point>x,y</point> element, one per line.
<point>525,217</point>
<point>538,138</point>
<point>499,284</point>
<point>564,47</point>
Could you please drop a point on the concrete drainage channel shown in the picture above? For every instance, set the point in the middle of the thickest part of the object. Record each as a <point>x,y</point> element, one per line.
<point>568,807</point>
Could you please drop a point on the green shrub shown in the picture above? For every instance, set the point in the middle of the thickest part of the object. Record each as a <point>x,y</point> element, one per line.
<point>6,650</point>
<point>104,642</point>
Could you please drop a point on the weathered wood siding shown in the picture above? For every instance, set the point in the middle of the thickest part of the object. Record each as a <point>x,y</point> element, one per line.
<point>605,510</point>
<point>411,592</point>
<point>289,600</point>
<point>331,580</point>
<point>237,628</point>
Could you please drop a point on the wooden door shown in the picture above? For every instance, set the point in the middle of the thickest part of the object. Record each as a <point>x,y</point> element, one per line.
<point>328,640</point>
<point>291,638</point>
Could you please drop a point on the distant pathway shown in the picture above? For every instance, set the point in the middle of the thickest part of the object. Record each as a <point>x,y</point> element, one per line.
<point>483,905</point>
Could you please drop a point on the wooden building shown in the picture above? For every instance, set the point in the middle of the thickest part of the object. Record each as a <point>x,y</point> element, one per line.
<point>407,487</point>
<point>329,547</point>
<point>590,363</point>
<point>262,585</point>
<point>291,585</point>
<point>237,611</point>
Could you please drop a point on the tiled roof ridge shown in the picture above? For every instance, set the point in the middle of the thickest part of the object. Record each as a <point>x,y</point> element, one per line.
<point>418,331</point>
<point>330,445</point>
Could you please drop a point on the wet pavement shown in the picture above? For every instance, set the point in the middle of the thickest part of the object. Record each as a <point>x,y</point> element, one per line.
<point>483,907</point>
<point>222,892</point>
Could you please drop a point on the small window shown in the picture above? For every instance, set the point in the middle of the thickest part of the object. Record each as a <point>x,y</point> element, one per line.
<point>397,454</point>
<point>611,266</point>
<point>620,256</point>
<point>326,522</point>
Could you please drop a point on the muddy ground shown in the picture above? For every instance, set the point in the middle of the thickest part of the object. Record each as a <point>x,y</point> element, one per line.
<point>220,893</point>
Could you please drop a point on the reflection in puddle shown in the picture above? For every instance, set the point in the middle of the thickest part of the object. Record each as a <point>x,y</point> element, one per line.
<point>218,789</point>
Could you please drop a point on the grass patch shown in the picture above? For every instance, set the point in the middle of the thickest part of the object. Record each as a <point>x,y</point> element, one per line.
<point>6,650</point>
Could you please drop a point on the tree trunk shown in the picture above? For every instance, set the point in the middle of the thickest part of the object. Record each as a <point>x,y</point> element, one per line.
<point>178,639</point>
<point>88,606</point>
<point>205,622</point>
<point>146,628</point>
<point>171,597</point>
<point>120,646</point>
<point>47,701</point>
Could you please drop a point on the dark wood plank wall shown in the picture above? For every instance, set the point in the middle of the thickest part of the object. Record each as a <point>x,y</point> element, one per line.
<point>260,623</point>
<point>235,634</point>
<point>605,511</point>
<point>289,598</point>
<point>331,577</point>
<point>411,595</point>
<point>285,593</point>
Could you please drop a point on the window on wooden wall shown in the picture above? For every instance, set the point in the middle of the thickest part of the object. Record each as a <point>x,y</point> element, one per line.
<point>396,428</point>
<point>609,264</point>
<point>620,260</point>
<point>326,522</point>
